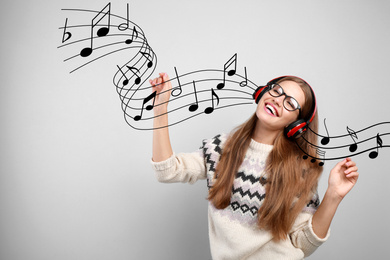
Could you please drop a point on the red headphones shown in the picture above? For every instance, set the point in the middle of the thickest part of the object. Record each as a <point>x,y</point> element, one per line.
<point>295,129</point>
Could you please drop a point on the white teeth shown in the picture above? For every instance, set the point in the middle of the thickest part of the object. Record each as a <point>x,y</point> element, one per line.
<point>272,109</point>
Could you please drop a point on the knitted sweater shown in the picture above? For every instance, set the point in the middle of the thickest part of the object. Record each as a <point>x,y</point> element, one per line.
<point>233,231</point>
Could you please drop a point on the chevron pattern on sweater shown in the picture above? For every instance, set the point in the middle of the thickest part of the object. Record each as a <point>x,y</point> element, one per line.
<point>212,151</point>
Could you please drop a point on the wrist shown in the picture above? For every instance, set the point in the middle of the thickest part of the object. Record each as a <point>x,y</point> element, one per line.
<point>333,196</point>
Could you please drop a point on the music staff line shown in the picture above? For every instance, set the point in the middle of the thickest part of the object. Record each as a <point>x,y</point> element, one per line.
<point>184,119</point>
<point>347,135</point>
<point>203,71</point>
<point>196,81</point>
<point>187,105</point>
<point>342,157</point>
<point>343,146</point>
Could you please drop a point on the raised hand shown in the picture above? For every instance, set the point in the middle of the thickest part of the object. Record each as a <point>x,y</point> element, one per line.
<point>343,177</point>
<point>163,89</point>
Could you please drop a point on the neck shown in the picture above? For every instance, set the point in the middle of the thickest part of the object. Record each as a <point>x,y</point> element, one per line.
<point>264,135</point>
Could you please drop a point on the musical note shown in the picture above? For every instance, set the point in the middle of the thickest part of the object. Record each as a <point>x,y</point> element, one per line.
<point>210,110</point>
<point>134,33</point>
<point>325,140</point>
<point>245,82</point>
<point>148,107</point>
<point>125,26</point>
<point>126,81</point>
<point>148,57</point>
<point>379,143</point>
<point>68,34</point>
<point>101,32</point>
<point>178,88</point>
<point>352,134</point>
<point>138,79</point>
<point>232,60</point>
<point>195,106</point>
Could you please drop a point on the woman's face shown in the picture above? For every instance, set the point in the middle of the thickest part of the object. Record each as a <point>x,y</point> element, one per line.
<point>271,112</point>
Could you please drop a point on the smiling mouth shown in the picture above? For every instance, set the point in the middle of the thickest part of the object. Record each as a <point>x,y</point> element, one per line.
<point>271,110</point>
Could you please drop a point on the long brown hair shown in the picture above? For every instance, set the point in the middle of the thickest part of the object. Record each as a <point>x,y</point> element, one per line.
<point>291,180</point>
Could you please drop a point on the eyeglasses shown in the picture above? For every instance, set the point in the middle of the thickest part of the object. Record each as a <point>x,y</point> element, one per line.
<point>289,103</point>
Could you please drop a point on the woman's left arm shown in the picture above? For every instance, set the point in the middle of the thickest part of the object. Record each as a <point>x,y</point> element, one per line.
<point>342,178</point>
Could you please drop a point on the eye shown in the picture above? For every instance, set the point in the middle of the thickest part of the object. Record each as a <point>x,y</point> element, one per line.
<point>291,104</point>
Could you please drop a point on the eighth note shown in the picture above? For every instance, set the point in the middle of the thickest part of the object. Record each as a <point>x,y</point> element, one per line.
<point>352,147</point>
<point>138,79</point>
<point>210,110</point>
<point>126,81</point>
<point>379,143</point>
<point>134,33</point>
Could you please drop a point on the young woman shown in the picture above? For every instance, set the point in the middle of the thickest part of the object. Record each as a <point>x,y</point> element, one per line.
<point>262,197</point>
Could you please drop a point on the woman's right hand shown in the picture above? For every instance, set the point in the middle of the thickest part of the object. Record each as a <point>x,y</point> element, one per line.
<point>163,89</point>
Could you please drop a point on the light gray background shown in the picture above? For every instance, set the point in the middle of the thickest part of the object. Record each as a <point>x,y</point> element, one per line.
<point>75,180</point>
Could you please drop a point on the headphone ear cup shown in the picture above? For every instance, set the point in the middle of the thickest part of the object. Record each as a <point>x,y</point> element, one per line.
<point>259,92</point>
<point>295,129</point>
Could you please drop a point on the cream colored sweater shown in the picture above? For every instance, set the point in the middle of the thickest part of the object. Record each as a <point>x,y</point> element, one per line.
<point>233,231</point>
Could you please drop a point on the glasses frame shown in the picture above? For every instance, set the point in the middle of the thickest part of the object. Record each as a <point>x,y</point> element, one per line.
<point>272,86</point>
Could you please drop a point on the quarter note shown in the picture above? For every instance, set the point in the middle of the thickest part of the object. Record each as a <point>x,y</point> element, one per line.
<point>103,31</point>
<point>353,147</point>
<point>125,26</point>
<point>178,88</point>
<point>68,34</point>
<point>132,69</point>
<point>194,106</point>
<point>148,107</point>
<point>325,140</point>
<point>231,72</point>
<point>210,110</point>
<point>379,143</point>
<point>245,82</point>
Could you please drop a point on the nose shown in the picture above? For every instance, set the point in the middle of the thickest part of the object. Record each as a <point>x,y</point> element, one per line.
<point>279,100</point>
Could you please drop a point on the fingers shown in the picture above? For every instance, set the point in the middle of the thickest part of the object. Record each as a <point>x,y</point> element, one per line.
<point>351,170</point>
<point>161,82</point>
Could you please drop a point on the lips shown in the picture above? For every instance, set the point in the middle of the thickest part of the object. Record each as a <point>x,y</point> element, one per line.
<point>271,109</point>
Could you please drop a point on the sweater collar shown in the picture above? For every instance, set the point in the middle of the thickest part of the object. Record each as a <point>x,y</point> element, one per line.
<point>260,147</point>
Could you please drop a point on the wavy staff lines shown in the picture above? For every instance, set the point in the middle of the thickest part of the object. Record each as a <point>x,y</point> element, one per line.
<point>347,135</point>
<point>131,98</point>
<point>102,56</point>
<point>96,12</point>
<point>184,119</point>
<point>321,148</point>
<point>342,146</point>
<point>187,105</point>
<point>103,46</point>
<point>126,106</point>
<point>185,84</point>
<point>207,70</point>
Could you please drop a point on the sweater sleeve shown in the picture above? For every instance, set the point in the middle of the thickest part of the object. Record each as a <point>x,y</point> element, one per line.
<point>183,167</point>
<point>302,235</point>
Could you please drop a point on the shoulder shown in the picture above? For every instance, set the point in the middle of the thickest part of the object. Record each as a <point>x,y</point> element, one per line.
<point>214,144</point>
